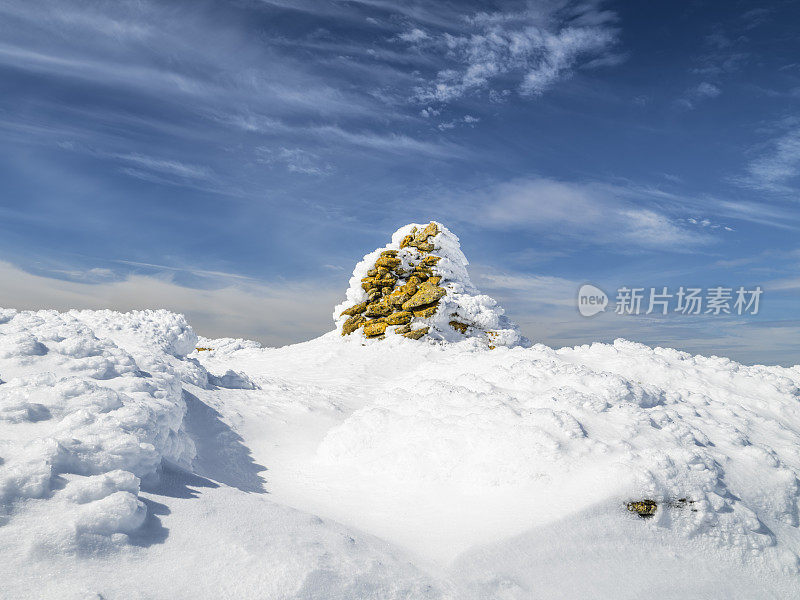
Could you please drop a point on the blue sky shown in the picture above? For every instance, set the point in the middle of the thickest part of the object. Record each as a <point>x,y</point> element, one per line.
<point>233,160</point>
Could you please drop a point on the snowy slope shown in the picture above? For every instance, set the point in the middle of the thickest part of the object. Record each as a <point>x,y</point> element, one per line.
<point>339,468</point>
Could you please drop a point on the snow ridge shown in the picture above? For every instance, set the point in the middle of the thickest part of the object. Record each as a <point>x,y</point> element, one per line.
<point>95,399</point>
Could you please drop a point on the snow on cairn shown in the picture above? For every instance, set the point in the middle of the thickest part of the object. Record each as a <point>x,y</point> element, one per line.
<point>417,287</point>
<point>90,404</point>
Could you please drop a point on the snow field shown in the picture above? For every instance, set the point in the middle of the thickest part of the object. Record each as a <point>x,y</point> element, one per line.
<point>133,467</point>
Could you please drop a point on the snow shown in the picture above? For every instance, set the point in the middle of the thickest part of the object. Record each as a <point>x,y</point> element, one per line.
<point>135,467</point>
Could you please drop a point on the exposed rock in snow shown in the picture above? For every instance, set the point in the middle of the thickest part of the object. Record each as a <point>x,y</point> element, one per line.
<point>417,286</point>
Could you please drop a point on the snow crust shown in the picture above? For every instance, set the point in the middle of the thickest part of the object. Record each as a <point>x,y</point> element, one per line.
<point>463,301</point>
<point>135,467</point>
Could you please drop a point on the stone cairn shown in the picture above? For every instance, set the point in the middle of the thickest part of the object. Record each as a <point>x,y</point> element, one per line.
<point>398,294</point>
<point>418,287</point>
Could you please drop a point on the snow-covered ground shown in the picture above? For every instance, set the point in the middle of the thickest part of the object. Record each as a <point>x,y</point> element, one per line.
<point>135,467</point>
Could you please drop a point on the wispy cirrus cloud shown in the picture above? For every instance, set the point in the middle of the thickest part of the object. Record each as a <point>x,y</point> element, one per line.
<point>696,94</point>
<point>777,167</point>
<point>587,213</point>
<point>295,160</point>
<point>529,50</point>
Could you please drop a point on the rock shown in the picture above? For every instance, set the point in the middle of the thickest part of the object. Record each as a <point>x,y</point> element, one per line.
<point>431,260</point>
<point>403,329</point>
<point>375,328</point>
<point>398,296</point>
<point>378,309</point>
<point>399,318</point>
<point>426,294</point>
<point>355,310</point>
<point>643,508</point>
<point>425,247</point>
<point>406,241</point>
<point>368,283</point>
<point>462,327</point>
<point>387,262</point>
<point>415,334</point>
<point>423,235</point>
<point>391,253</point>
<point>352,324</point>
<point>424,312</point>
<point>372,272</point>
<point>434,280</point>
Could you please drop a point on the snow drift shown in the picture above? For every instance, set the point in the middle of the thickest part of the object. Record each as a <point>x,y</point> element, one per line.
<point>90,405</point>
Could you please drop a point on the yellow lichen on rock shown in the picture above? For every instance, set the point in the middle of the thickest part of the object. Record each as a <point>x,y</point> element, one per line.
<point>375,328</point>
<point>426,294</point>
<point>399,318</point>
<point>425,312</point>
<point>462,327</point>
<point>415,334</point>
<point>401,286</point>
<point>643,508</point>
<point>430,230</point>
<point>352,324</point>
<point>355,310</point>
<point>398,296</point>
<point>378,309</point>
<point>387,262</point>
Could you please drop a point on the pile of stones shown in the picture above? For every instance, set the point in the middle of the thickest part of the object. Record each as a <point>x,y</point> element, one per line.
<point>403,288</point>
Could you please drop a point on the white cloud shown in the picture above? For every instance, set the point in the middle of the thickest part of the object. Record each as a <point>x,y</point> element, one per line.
<point>167,167</point>
<point>295,160</point>
<point>703,91</point>
<point>777,169</point>
<point>413,36</point>
<point>584,214</point>
<point>466,120</point>
<point>536,47</point>
<point>707,90</point>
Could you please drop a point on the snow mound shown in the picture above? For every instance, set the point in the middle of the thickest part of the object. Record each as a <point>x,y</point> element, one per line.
<point>713,442</point>
<point>90,404</point>
<point>418,250</point>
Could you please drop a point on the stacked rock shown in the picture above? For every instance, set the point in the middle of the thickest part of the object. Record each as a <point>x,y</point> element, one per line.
<point>399,289</point>
<point>418,287</point>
